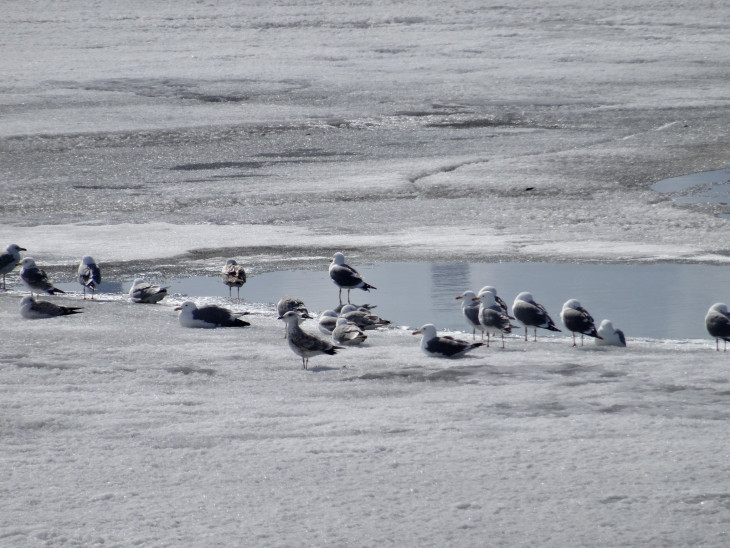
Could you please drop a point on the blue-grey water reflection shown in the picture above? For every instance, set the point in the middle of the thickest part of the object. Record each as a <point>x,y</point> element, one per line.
<point>706,187</point>
<point>658,301</point>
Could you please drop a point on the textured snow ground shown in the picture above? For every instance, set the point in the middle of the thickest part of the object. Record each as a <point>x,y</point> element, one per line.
<point>160,138</point>
<point>146,433</point>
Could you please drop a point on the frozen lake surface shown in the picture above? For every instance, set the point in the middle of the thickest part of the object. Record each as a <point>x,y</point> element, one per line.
<point>467,143</point>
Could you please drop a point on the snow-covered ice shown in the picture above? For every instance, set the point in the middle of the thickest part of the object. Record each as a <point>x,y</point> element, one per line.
<point>163,139</point>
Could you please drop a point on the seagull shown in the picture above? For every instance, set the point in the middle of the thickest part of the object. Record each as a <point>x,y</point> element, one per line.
<point>610,336</point>
<point>89,275</point>
<point>500,302</point>
<point>340,306</point>
<point>531,314</point>
<point>35,278</point>
<point>442,347</point>
<point>144,292</point>
<point>492,316</point>
<point>362,317</point>
<point>347,333</point>
<point>9,260</point>
<point>302,343</point>
<point>346,277</point>
<point>209,316</point>
<point>470,309</point>
<point>327,321</point>
<point>288,303</point>
<point>233,275</point>
<point>578,320</point>
<point>717,322</point>
<point>31,309</point>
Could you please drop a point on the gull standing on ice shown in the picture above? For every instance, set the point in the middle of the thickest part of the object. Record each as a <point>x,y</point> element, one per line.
<point>500,302</point>
<point>327,321</point>
<point>610,336</point>
<point>578,320</point>
<point>233,275</point>
<point>144,292</point>
<point>470,310</point>
<point>346,277</point>
<point>36,279</point>
<point>89,275</point>
<point>531,314</point>
<point>209,316</point>
<point>717,322</point>
<point>442,347</point>
<point>31,309</point>
<point>347,333</point>
<point>492,316</point>
<point>9,260</point>
<point>302,343</point>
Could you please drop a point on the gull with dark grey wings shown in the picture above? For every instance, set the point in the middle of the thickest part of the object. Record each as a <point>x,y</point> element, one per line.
<point>36,279</point>
<point>209,316</point>
<point>346,277</point>
<point>532,314</point>
<point>442,346</point>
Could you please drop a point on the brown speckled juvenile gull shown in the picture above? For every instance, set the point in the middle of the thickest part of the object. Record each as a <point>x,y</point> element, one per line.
<point>302,343</point>
<point>233,275</point>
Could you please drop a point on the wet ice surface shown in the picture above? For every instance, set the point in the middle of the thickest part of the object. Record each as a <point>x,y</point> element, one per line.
<point>697,188</point>
<point>634,297</point>
<point>165,139</point>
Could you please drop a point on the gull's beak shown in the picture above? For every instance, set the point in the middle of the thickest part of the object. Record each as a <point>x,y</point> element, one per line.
<point>416,332</point>
<point>280,318</point>
<point>332,260</point>
<point>178,308</point>
<point>475,299</point>
<point>459,297</point>
<point>22,249</point>
<point>18,264</point>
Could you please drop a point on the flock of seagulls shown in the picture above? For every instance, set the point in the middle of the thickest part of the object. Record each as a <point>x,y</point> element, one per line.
<point>489,314</point>
<point>346,324</point>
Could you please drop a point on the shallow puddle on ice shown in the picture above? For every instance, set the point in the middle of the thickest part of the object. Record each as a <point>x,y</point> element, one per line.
<point>657,301</point>
<point>712,187</point>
